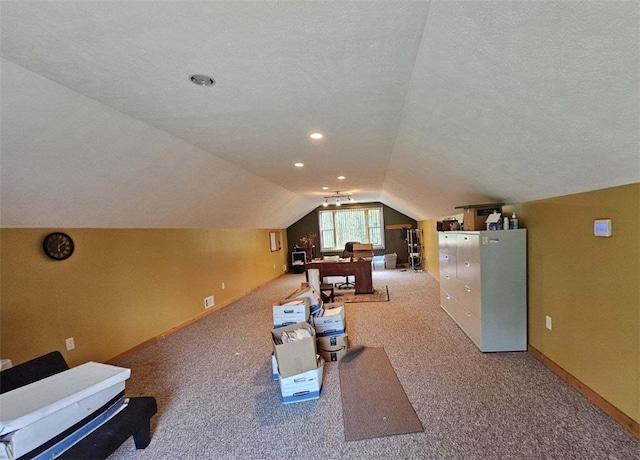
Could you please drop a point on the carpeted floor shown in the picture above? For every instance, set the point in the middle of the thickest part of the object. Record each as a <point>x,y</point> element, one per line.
<point>216,399</point>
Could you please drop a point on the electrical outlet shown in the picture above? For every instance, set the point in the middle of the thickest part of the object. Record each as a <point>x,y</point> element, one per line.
<point>284,267</point>
<point>208,302</point>
<point>70,344</point>
<point>548,322</point>
<point>222,285</point>
<point>274,266</point>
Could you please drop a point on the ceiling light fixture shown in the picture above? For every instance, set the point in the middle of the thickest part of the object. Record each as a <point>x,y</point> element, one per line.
<point>316,136</point>
<point>341,178</point>
<point>337,196</point>
<point>298,165</point>
<point>202,80</point>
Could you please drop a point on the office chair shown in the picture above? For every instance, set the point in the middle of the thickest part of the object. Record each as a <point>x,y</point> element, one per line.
<point>348,252</point>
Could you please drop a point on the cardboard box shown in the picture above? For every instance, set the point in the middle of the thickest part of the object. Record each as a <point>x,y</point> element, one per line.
<point>306,290</point>
<point>447,225</point>
<point>333,347</point>
<point>330,320</point>
<point>304,386</point>
<point>475,218</point>
<point>362,251</point>
<point>295,357</point>
<point>291,311</point>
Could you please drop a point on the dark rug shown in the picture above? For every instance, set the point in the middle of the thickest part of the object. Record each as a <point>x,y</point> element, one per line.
<point>350,296</point>
<point>374,403</point>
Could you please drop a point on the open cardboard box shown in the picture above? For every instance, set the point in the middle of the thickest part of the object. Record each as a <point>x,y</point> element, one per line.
<point>295,357</point>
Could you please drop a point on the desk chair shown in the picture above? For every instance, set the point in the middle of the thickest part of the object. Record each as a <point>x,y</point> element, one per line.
<point>347,253</point>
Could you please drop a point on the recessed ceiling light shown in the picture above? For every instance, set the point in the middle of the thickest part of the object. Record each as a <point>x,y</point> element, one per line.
<point>202,80</point>
<point>341,178</point>
<point>325,188</point>
<point>298,165</point>
<point>316,135</point>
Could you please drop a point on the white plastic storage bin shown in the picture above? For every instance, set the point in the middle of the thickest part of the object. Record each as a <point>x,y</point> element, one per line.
<point>377,262</point>
<point>390,260</point>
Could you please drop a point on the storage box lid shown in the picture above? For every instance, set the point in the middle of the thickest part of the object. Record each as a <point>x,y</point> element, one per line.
<point>28,404</point>
<point>298,302</point>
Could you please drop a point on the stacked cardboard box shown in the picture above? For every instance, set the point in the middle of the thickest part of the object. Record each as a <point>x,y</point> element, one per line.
<point>287,312</point>
<point>333,347</point>
<point>298,365</point>
<point>330,320</point>
<point>363,251</point>
<point>331,331</point>
<point>307,291</point>
<point>300,387</point>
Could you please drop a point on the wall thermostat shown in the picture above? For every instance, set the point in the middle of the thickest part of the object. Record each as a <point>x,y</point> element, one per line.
<point>602,227</point>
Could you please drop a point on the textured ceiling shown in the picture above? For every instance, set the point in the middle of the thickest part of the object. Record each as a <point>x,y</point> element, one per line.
<point>425,106</point>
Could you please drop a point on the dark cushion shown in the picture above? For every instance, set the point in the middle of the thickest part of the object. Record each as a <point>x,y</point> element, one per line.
<point>32,371</point>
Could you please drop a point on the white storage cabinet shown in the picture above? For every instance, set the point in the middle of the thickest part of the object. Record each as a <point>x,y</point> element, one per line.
<point>483,286</point>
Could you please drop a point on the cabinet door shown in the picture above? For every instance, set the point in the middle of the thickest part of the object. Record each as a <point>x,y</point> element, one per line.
<point>449,283</point>
<point>470,299</point>
<point>472,326</point>
<point>469,273</point>
<point>447,242</point>
<point>448,263</point>
<point>450,305</point>
<point>467,322</point>
<point>469,247</point>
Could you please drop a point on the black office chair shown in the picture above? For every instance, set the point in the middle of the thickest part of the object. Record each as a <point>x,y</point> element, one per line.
<point>347,253</point>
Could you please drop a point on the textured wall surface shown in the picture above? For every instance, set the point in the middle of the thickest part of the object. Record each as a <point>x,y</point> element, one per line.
<point>121,288</point>
<point>425,105</point>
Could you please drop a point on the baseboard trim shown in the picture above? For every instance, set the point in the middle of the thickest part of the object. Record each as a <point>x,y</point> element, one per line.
<point>147,343</point>
<point>627,422</point>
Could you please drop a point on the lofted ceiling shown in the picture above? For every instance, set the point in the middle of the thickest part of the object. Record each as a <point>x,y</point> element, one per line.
<point>425,105</point>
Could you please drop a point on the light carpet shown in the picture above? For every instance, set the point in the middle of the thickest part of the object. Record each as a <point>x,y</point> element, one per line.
<point>217,400</point>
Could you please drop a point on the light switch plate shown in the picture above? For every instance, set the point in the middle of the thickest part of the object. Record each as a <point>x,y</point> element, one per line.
<point>602,227</point>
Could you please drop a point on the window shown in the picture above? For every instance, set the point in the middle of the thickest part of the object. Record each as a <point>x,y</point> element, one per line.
<point>339,226</point>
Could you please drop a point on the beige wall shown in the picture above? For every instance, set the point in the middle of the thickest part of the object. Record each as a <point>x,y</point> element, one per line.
<point>589,286</point>
<point>430,247</point>
<point>121,288</point>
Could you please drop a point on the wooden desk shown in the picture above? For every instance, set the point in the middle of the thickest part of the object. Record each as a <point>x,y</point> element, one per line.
<point>361,269</point>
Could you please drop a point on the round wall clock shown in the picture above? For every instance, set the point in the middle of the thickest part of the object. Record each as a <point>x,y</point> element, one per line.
<point>58,246</point>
